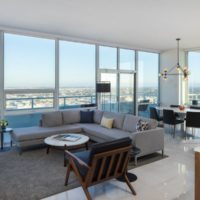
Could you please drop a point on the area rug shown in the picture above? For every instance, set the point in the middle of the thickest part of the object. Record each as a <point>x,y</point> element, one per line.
<point>35,175</point>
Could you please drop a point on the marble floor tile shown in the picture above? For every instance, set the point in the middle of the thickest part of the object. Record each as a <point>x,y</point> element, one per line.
<point>171,178</point>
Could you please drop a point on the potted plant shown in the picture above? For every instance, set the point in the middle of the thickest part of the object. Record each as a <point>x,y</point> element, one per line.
<point>3,124</point>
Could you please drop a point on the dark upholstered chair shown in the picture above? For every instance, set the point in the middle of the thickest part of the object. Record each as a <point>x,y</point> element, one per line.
<point>154,114</point>
<point>143,105</point>
<point>195,102</point>
<point>169,118</point>
<point>195,107</point>
<point>192,121</point>
<point>104,161</point>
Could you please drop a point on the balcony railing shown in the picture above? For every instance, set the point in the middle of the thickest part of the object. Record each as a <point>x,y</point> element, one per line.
<point>47,102</point>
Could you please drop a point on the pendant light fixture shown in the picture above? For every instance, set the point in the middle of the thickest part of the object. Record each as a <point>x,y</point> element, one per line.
<point>180,70</point>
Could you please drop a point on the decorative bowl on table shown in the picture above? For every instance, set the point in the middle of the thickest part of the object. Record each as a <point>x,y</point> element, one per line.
<point>181,107</point>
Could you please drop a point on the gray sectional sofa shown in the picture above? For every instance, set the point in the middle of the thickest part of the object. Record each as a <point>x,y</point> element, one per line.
<point>124,125</point>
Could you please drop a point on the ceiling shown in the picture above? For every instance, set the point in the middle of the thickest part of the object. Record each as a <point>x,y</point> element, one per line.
<point>146,24</point>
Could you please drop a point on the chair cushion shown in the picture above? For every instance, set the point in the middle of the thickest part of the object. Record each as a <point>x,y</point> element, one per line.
<point>85,157</point>
<point>118,118</point>
<point>107,122</point>
<point>86,116</point>
<point>52,119</point>
<point>98,116</point>
<point>110,145</point>
<point>71,116</point>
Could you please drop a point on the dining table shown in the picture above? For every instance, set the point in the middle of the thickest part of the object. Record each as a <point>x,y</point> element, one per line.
<point>180,112</point>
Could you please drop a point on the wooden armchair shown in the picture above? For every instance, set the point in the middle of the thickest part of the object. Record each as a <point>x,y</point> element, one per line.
<point>103,162</point>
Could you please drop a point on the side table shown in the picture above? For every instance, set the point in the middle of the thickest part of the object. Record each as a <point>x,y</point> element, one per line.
<point>132,177</point>
<point>7,130</point>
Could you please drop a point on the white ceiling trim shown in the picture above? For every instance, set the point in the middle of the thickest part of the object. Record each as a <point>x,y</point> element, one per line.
<point>34,33</point>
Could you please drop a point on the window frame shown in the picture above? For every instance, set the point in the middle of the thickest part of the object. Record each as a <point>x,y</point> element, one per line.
<point>55,90</point>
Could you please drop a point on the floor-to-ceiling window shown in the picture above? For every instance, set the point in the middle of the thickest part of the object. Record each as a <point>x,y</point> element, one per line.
<point>117,66</point>
<point>147,94</point>
<point>76,74</point>
<point>40,76</point>
<point>193,80</point>
<point>29,72</point>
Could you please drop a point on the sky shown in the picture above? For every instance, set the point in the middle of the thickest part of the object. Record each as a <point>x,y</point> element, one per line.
<point>194,68</point>
<point>30,63</point>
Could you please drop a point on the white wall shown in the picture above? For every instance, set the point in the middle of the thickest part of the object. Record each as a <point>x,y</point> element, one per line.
<point>171,89</point>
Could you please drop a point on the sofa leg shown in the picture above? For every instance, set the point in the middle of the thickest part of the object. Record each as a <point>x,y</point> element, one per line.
<point>135,158</point>
<point>163,153</point>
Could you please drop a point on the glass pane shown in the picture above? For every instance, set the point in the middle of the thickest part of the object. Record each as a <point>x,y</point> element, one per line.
<point>194,81</point>
<point>126,93</point>
<point>77,74</point>
<point>109,100</point>
<point>29,62</point>
<point>107,57</point>
<point>148,64</point>
<point>29,101</point>
<point>127,59</point>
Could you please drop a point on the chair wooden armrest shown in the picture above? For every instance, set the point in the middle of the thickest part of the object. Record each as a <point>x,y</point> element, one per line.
<point>73,157</point>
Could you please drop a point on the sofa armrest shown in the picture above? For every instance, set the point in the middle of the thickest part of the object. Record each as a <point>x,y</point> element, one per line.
<point>149,141</point>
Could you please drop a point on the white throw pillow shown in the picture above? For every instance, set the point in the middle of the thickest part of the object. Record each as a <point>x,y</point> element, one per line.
<point>142,125</point>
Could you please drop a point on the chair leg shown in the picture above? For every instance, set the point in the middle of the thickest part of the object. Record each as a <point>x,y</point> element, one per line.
<point>129,184</point>
<point>174,131</point>
<point>185,133</point>
<point>67,175</point>
<point>86,193</point>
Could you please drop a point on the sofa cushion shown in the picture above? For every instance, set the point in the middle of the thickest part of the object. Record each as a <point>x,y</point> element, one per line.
<point>107,122</point>
<point>104,133</point>
<point>130,122</point>
<point>86,116</point>
<point>118,118</point>
<point>52,119</point>
<point>71,116</point>
<point>35,132</point>
<point>98,116</point>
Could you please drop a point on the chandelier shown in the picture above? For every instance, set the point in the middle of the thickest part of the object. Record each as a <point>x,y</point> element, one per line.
<point>180,70</point>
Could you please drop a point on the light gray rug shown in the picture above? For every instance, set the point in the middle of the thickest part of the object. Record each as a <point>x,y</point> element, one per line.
<point>35,175</point>
<point>32,175</point>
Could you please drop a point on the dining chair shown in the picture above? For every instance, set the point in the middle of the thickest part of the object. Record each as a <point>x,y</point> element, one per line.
<point>169,118</point>
<point>195,107</point>
<point>154,114</point>
<point>192,121</point>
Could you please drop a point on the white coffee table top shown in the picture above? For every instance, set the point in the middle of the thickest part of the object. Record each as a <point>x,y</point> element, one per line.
<point>52,141</point>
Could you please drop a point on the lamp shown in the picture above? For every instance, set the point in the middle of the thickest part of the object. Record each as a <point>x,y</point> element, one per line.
<point>103,87</point>
<point>183,71</point>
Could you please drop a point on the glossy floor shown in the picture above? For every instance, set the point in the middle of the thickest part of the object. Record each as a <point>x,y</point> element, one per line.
<point>171,178</point>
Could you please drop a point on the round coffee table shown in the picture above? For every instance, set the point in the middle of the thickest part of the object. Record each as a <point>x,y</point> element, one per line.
<point>62,141</point>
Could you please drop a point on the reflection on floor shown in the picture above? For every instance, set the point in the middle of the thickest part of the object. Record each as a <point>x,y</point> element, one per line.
<point>168,179</point>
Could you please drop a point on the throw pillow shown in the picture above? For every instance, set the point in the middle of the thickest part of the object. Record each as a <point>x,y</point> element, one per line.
<point>107,122</point>
<point>142,125</point>
<point>86,116</point>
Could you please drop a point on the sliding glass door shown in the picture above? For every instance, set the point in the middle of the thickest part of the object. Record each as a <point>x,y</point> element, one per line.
<point>117,66</point>
<point>126,93</point>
